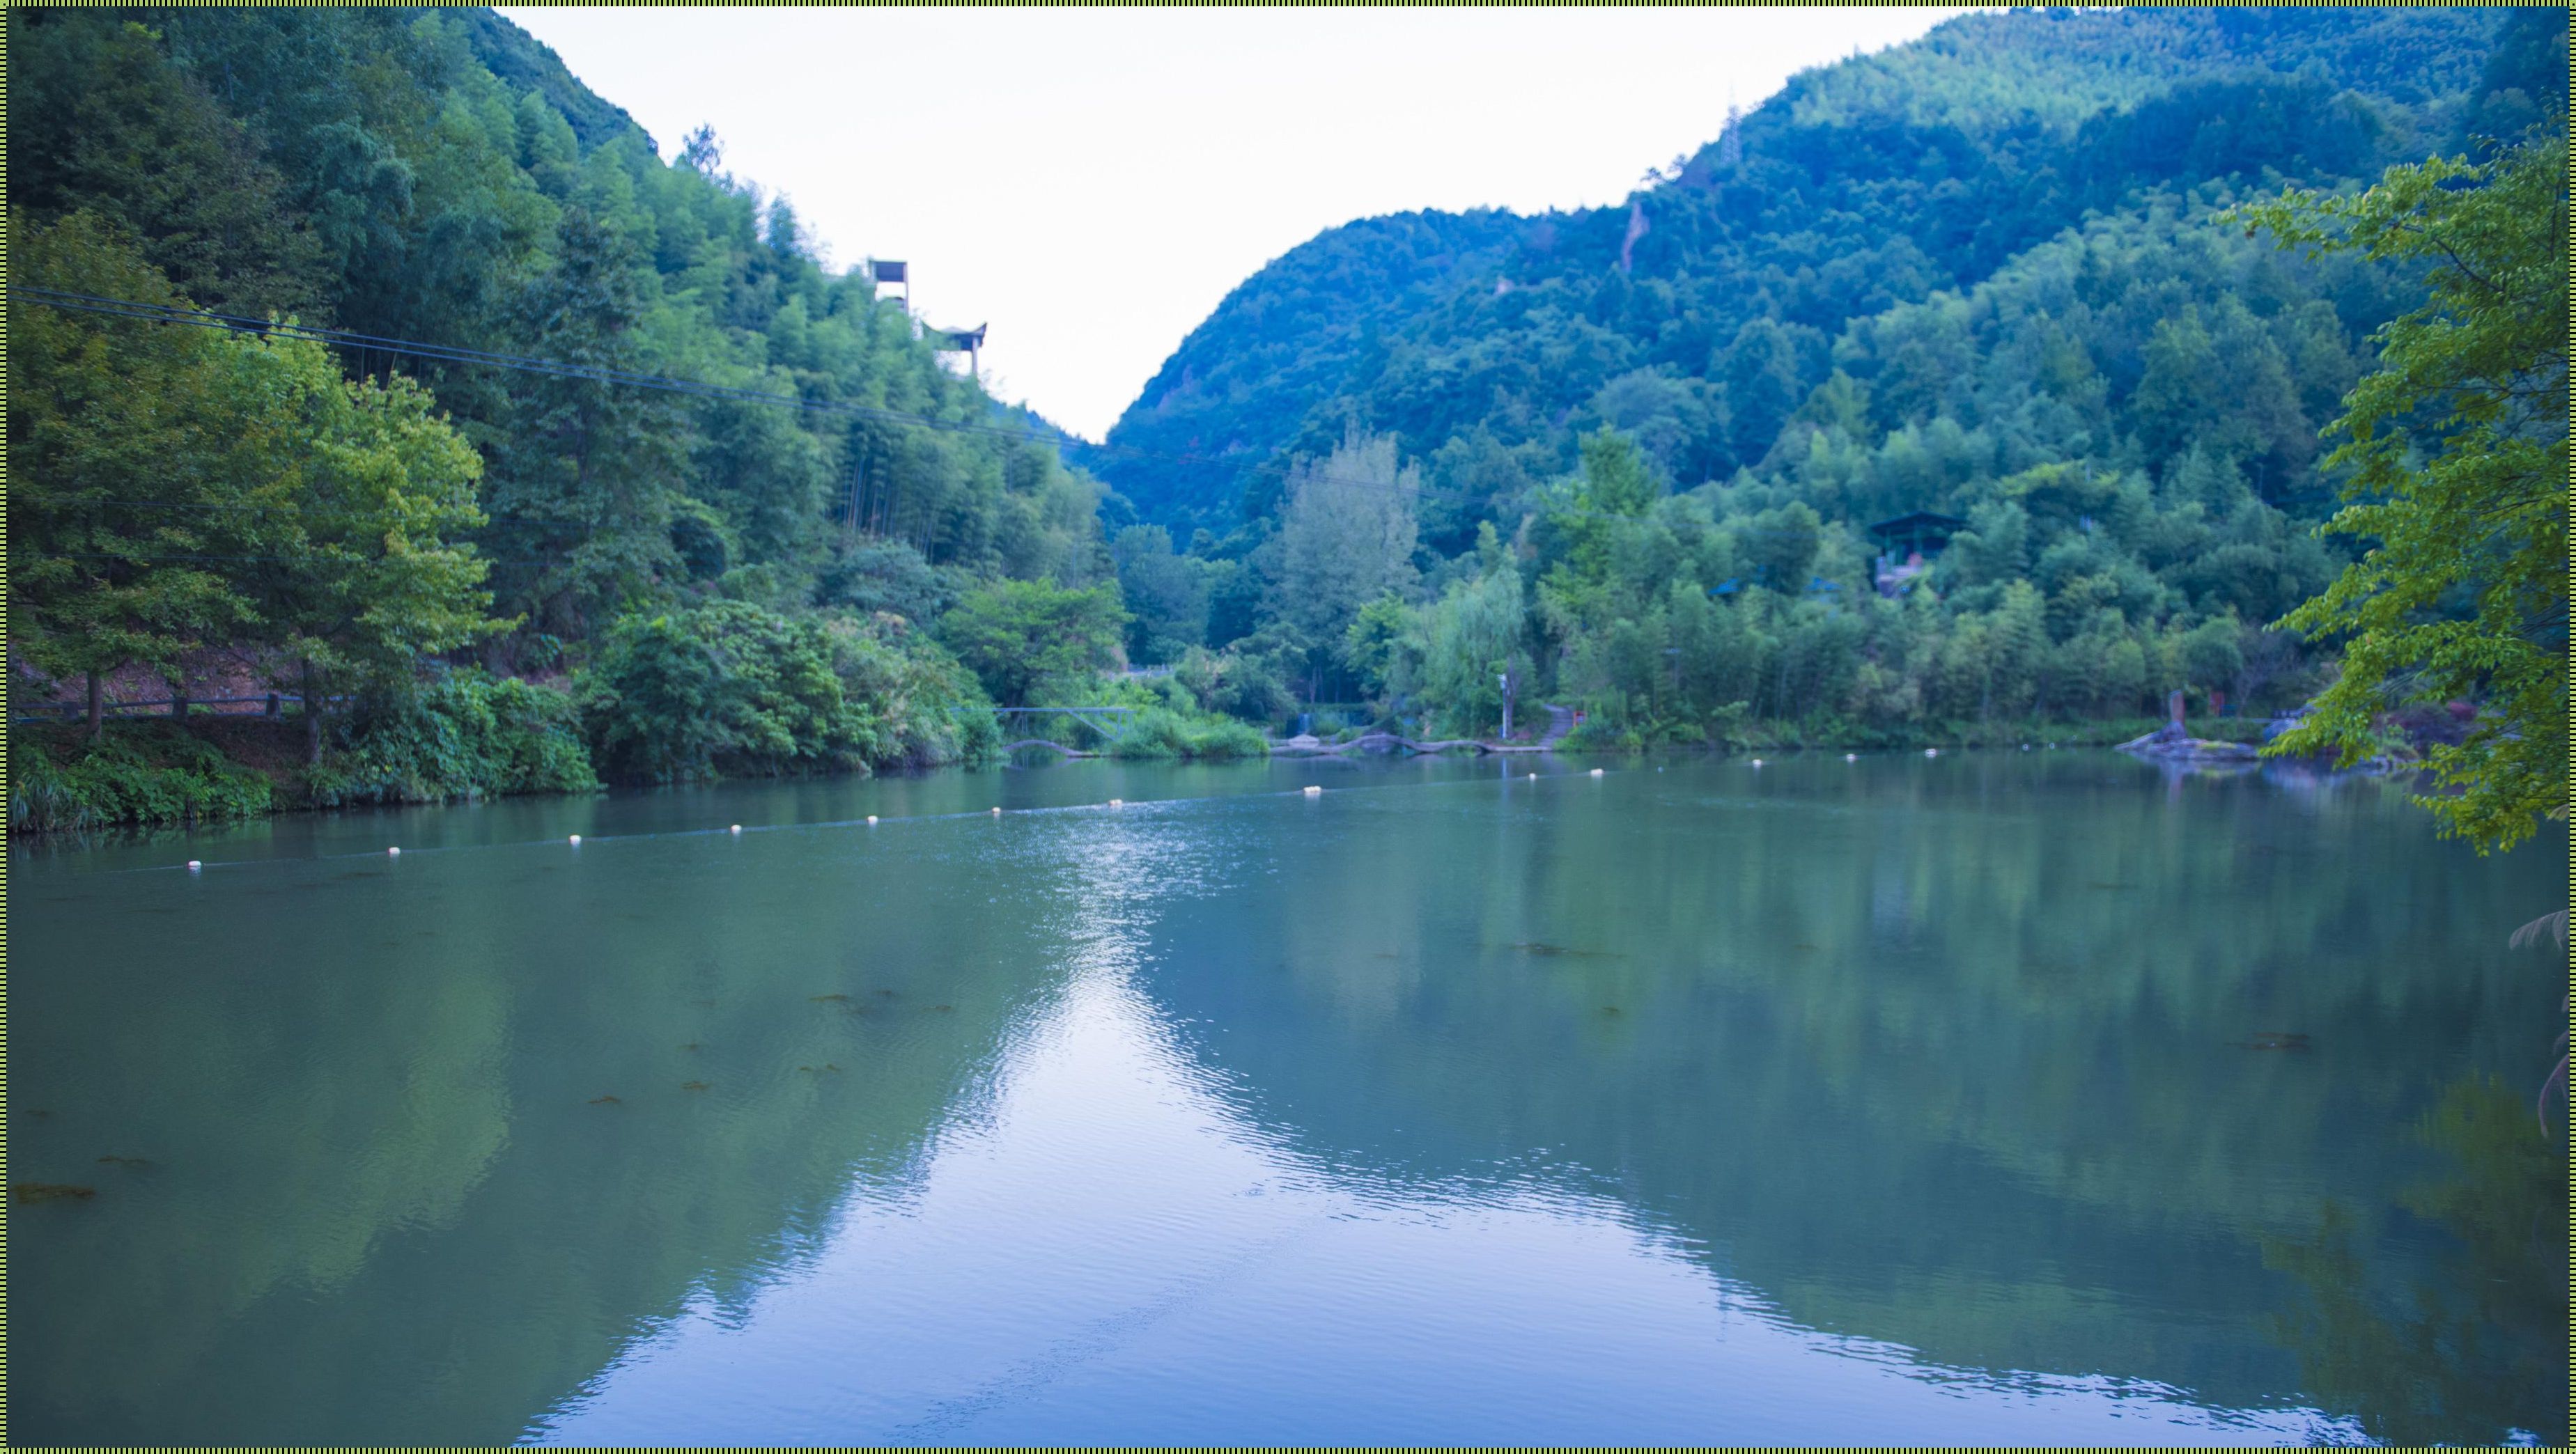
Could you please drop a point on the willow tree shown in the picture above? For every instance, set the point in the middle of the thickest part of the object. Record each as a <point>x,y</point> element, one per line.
<point>1346,535</point>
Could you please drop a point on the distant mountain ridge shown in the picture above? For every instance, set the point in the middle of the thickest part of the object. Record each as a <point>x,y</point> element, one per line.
<point>1863,185</point>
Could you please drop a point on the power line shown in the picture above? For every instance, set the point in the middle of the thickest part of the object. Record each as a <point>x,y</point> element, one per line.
<point>558,368</point>
<point>297,559</point>
<point>521,363</point>
<point>492,518</point>
<point>301,511</point>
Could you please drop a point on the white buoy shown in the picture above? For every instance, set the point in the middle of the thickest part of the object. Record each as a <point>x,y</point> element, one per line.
<point>1851,757</point>
<point>1931,752</point>
<point>1118,802</point>
<point>1757,762</point>
<point>736,829</point>
<point>194,866</point>
<point>1596,772</point>
<point>393,853</point>
<point>997,812</point>
<point>1533,777</point>
<point>872,822</point>
<point>1313,791</point>
<point>576,840</point>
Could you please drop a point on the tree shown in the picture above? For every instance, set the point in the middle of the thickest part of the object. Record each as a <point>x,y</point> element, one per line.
<point>1167,593</point>
<point>1471,644</point>
<point>2457,449</point>
<point>1615,478</point>
<point>1347,535</point>
<point>1780,546</point>
<point>357,575</point>
<point>587,479</point>
<point>105,123</point>
<point>182,486</point>
<point>1017,636</point>
<point>130,480</point>
<point>1374,646</point>
<point>726,686</point>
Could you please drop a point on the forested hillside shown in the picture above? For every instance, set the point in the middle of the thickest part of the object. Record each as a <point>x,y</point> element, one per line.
<point>724,584</point>
<point>1983,276</point>
<point>605,473</point>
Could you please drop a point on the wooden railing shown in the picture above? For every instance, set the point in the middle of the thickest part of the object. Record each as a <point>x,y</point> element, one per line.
<point>270,705</point>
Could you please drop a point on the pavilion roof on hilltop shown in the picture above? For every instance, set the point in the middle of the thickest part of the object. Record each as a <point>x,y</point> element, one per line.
<point>1921,521</point>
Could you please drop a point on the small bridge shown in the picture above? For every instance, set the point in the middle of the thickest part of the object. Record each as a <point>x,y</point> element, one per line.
<point>1560,721</point>
<point>1107,723</point>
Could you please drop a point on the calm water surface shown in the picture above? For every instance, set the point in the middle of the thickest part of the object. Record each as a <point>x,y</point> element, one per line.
<point>1988,1099</point>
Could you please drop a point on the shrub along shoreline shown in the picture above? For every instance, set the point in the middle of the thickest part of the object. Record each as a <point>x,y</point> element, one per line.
<point>722,689</point>
<point>478,737</point>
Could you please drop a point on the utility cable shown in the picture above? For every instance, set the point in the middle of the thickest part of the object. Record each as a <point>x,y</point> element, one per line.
<point>558,368</point>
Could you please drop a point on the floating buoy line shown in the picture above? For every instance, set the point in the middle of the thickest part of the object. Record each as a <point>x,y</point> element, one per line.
<point>731,830</point>
<point>196,867</point>
<point>736,830</point>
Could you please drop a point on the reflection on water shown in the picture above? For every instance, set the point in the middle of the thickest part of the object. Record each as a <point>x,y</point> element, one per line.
<point>2014,1099</point>
<point>2482,1343</point>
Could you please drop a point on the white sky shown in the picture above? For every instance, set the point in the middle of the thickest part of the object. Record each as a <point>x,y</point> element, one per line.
<point>1091,183</point>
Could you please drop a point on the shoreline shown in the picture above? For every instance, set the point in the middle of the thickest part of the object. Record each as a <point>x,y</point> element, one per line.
<point>213,783</point>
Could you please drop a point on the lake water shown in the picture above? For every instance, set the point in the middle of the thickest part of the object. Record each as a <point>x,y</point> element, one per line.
<point>1987,1099</point>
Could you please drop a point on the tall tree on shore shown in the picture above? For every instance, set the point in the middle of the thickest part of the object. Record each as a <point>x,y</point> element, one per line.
<point>126,514</point>
<point>361,572</point>
<point>587,481</point>
<point>1020,636</point>
<point>175,487</point>
<point>2457,449</point>
<point>1347,534</point>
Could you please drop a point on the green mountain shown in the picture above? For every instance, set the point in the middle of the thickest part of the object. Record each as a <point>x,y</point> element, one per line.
<point>1628,458</point>
<point>724,583</point>
<point>438,175</point>
<point>1418,467</point>
<point>1705,310</point>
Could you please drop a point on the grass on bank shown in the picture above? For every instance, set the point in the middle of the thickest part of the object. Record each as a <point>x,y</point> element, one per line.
<point>1730,736</point>
<point>465,736</point>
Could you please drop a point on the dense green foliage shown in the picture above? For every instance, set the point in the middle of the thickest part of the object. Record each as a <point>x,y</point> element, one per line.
<point>355,520</point>
<point>462,734</point>
<point>2458,452</point>
<point>1982,275</point>
<point>158,775</point>
<point>1163,732</point>
<point>180,487</point>
<point>458,734</point>
<point>734,688</point>
<point>1021,637</point>
<point>1244,380</point>
<point>1621,459</point>
<point>1877,181</point>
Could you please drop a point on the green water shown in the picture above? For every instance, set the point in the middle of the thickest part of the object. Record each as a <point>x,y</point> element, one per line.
<point>1899,1100</point>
